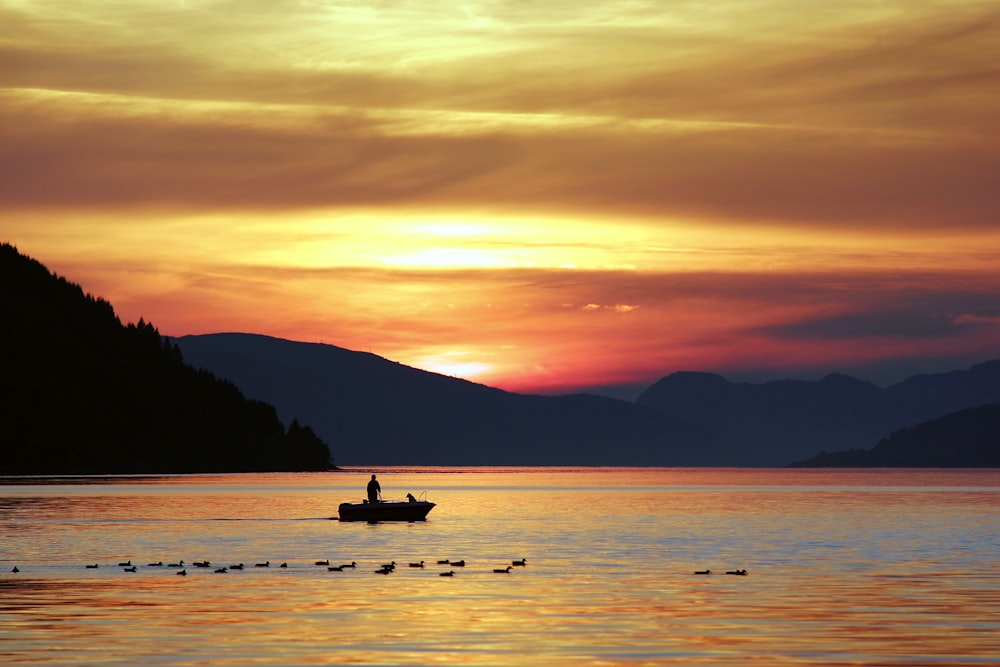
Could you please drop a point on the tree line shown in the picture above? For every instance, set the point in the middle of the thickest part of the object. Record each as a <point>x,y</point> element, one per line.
<point>86,394</point>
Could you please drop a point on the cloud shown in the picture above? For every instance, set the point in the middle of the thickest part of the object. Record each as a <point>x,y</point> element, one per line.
<point>869,120</point>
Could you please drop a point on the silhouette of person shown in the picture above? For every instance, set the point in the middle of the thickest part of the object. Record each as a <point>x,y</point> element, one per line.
<point>410,498</point>
<point>373,490</point>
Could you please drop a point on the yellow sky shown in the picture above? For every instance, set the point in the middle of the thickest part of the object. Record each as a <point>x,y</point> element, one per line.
<point>540,196</point>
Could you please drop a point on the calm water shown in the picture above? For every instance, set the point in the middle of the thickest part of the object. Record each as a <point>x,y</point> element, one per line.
<point>845,568</point>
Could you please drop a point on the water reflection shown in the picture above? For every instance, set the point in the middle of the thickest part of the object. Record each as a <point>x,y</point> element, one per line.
<point>867,568</point>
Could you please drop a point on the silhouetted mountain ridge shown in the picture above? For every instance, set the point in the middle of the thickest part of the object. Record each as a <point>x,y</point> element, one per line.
<point>789,420</point>
<point>85,394</point>
<point>968,438</point>
<point>383,413</point>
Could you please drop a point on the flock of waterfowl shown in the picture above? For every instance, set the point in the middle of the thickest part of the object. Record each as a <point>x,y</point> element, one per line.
<point>739,573</point>
<point>180,567</point>
<point>386,568</point>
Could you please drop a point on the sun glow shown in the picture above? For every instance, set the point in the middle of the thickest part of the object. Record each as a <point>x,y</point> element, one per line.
<point>458,364</point>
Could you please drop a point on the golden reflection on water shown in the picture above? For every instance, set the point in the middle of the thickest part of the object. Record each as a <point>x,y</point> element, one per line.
<point>849,568</point>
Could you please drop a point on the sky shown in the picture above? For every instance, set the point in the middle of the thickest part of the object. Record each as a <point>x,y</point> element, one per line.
<point>545,197</point>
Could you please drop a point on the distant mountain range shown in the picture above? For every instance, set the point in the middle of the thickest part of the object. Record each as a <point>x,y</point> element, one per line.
<point>374,411</point>
<point>776,423</point>
<point>377,412</point>
<point>964,439</point>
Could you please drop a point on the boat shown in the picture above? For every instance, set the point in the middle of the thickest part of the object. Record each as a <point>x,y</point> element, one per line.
<point>386,510</point>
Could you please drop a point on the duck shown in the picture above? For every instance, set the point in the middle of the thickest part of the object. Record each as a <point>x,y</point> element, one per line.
<point>264,564</point>
<point>127,563</point>
<point>420,564</point>
<point>444,562</point>
<point>323,562</point>
<point>236,567</point>
<point>384,570</point>
<point>389,566</point>
<point>504,570</point>
<point>182,573</point>
<point>156,564</point>
<point>739,573</point>
<point>458,563</point>
<point>283,565</point>
<point>201,563</point>
<point>180,564</point>
<point>450,573</point>
<point>336,568</point>
<point>353,563</point>
<point>93,567</point>
<point>522,562</point>
<point>131,569</point>
<point>221,570</point>
<point>703,572</point>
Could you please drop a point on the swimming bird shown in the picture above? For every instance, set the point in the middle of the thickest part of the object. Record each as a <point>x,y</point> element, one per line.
<point>740,573</point>
<point>182,573</point>
<point>420,564</point>
<point>522,562</point>
<point>127,563</point>
<point>504,570</point>
<point>201,563</point>
<point>130,569</point>
<point>447,574</point>
<point>336,568</point>
<point>444,562</point>
<point>703,572</point>
<point>458,563</point>
<point>384,570</point>
<point>323,562</point>
<point>264,564</point>
<point>221,570</point>
<point>353,563</point>
<point>180,564</point>
<point>283,565</point>
<point>390,566</point>
<point>93,567</point>
<point>157,564</point>
<point>236,567</point>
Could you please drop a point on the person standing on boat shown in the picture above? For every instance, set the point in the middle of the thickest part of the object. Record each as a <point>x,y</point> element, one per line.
<point>373,490</point>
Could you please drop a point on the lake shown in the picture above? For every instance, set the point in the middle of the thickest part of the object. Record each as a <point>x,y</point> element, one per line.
<point>845,567</point>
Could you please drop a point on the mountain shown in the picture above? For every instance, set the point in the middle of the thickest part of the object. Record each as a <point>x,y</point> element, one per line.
<point>777,422</point>
<point>378,412</point>
<point>86,394</point>
<point>964,439</point>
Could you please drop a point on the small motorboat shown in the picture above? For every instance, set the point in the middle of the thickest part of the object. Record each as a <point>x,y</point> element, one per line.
<point>386,510</point>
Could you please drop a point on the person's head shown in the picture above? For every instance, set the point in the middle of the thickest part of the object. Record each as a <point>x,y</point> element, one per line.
<point>373,476</point>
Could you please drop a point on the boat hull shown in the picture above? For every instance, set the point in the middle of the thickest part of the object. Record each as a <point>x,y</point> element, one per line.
<point>385,511</point>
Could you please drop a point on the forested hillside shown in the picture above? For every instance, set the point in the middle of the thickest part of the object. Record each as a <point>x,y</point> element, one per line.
<point>84,393</point>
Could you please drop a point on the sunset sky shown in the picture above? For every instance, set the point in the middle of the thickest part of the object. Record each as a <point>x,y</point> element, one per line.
<point>539,196</point>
